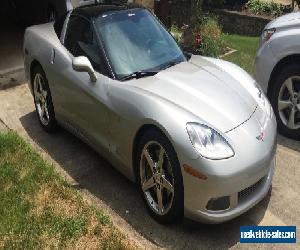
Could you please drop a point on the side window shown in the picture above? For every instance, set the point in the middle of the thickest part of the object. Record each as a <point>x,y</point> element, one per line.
<point>81,40</point>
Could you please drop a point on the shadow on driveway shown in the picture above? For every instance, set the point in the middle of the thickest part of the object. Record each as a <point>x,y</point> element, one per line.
<point>97,176</point>
<point>291,144</point>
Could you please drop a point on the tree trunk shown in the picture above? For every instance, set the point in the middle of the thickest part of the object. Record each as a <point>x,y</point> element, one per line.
<point>162,10</point>
<point>196,12</point>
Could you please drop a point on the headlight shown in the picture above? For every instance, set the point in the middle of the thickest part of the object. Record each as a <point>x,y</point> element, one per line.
<point>208,142</point>
<point>267,34</point>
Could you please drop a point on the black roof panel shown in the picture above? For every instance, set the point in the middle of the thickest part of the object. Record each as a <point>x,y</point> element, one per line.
<point>91,11</point>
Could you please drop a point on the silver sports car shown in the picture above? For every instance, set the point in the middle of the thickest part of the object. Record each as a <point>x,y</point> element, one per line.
<point>197,134</point>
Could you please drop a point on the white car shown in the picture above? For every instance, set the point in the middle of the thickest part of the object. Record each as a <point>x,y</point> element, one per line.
<point>197,134</point>
<point>277,68</point>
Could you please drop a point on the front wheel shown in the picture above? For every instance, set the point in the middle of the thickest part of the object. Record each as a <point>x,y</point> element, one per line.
<point>160,178</point>
<point>285,99</point>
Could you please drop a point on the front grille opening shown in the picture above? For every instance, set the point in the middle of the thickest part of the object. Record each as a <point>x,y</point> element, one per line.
<point>245,193</point>
<point>218,204</point>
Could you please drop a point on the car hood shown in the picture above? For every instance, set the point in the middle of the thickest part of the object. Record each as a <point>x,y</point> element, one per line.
<point>217,92</point>
<point>289,20</point>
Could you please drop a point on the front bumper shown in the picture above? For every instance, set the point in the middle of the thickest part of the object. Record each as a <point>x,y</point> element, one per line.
<point>240,201</point>
<point>244,179</point>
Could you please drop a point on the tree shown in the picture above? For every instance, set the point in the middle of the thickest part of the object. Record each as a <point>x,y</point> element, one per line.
<point>196,14</point>
<point>196,6</point>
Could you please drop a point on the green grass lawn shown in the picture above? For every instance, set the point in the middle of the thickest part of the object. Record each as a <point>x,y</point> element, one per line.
<point>38,209</point>
<point>246,50</point>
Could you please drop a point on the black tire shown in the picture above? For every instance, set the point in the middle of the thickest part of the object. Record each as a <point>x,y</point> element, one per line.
<point>52,124</point>
<point>175,211</point>
<point>287,72</point>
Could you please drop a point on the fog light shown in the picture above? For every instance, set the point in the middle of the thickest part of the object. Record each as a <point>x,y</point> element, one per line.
<point>218,204</point>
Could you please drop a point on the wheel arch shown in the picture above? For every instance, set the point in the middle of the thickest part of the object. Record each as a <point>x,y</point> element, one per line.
<point>140,132</point>
<point>287,60</point>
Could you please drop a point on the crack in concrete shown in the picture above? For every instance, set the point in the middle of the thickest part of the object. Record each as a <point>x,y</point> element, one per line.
<point>3,124</point>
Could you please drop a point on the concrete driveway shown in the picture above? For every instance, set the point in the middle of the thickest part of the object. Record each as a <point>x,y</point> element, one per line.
<point>95,177</point>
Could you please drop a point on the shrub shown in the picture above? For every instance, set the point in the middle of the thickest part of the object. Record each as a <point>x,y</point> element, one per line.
<point>176,33</point>
<point>209,39</point>
<point>261,7</point>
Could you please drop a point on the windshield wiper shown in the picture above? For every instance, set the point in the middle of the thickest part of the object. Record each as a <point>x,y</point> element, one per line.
<point>145,73</point>
<point>139,74</point>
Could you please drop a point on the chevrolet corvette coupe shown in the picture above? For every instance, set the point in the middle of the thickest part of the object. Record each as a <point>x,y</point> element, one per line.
<point>196,134</point>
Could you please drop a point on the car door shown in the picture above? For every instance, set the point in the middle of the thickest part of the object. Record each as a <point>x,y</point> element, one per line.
<point>79,102</point>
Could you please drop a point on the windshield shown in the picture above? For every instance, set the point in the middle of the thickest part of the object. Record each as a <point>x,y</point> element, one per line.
<point>135,41</point>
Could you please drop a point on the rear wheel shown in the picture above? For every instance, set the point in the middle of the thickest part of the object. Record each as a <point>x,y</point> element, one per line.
<point>159,177</point>
<point>285,100</point>
<point>43,100</point>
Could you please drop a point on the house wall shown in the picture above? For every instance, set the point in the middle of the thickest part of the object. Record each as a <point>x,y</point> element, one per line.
<point>231,21</point>
<point>240,23</point>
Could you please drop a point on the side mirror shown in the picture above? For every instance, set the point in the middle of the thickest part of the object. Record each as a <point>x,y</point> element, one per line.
<point>82,64</point>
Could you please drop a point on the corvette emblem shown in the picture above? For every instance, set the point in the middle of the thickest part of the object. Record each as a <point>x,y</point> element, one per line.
<point>261,137</point>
